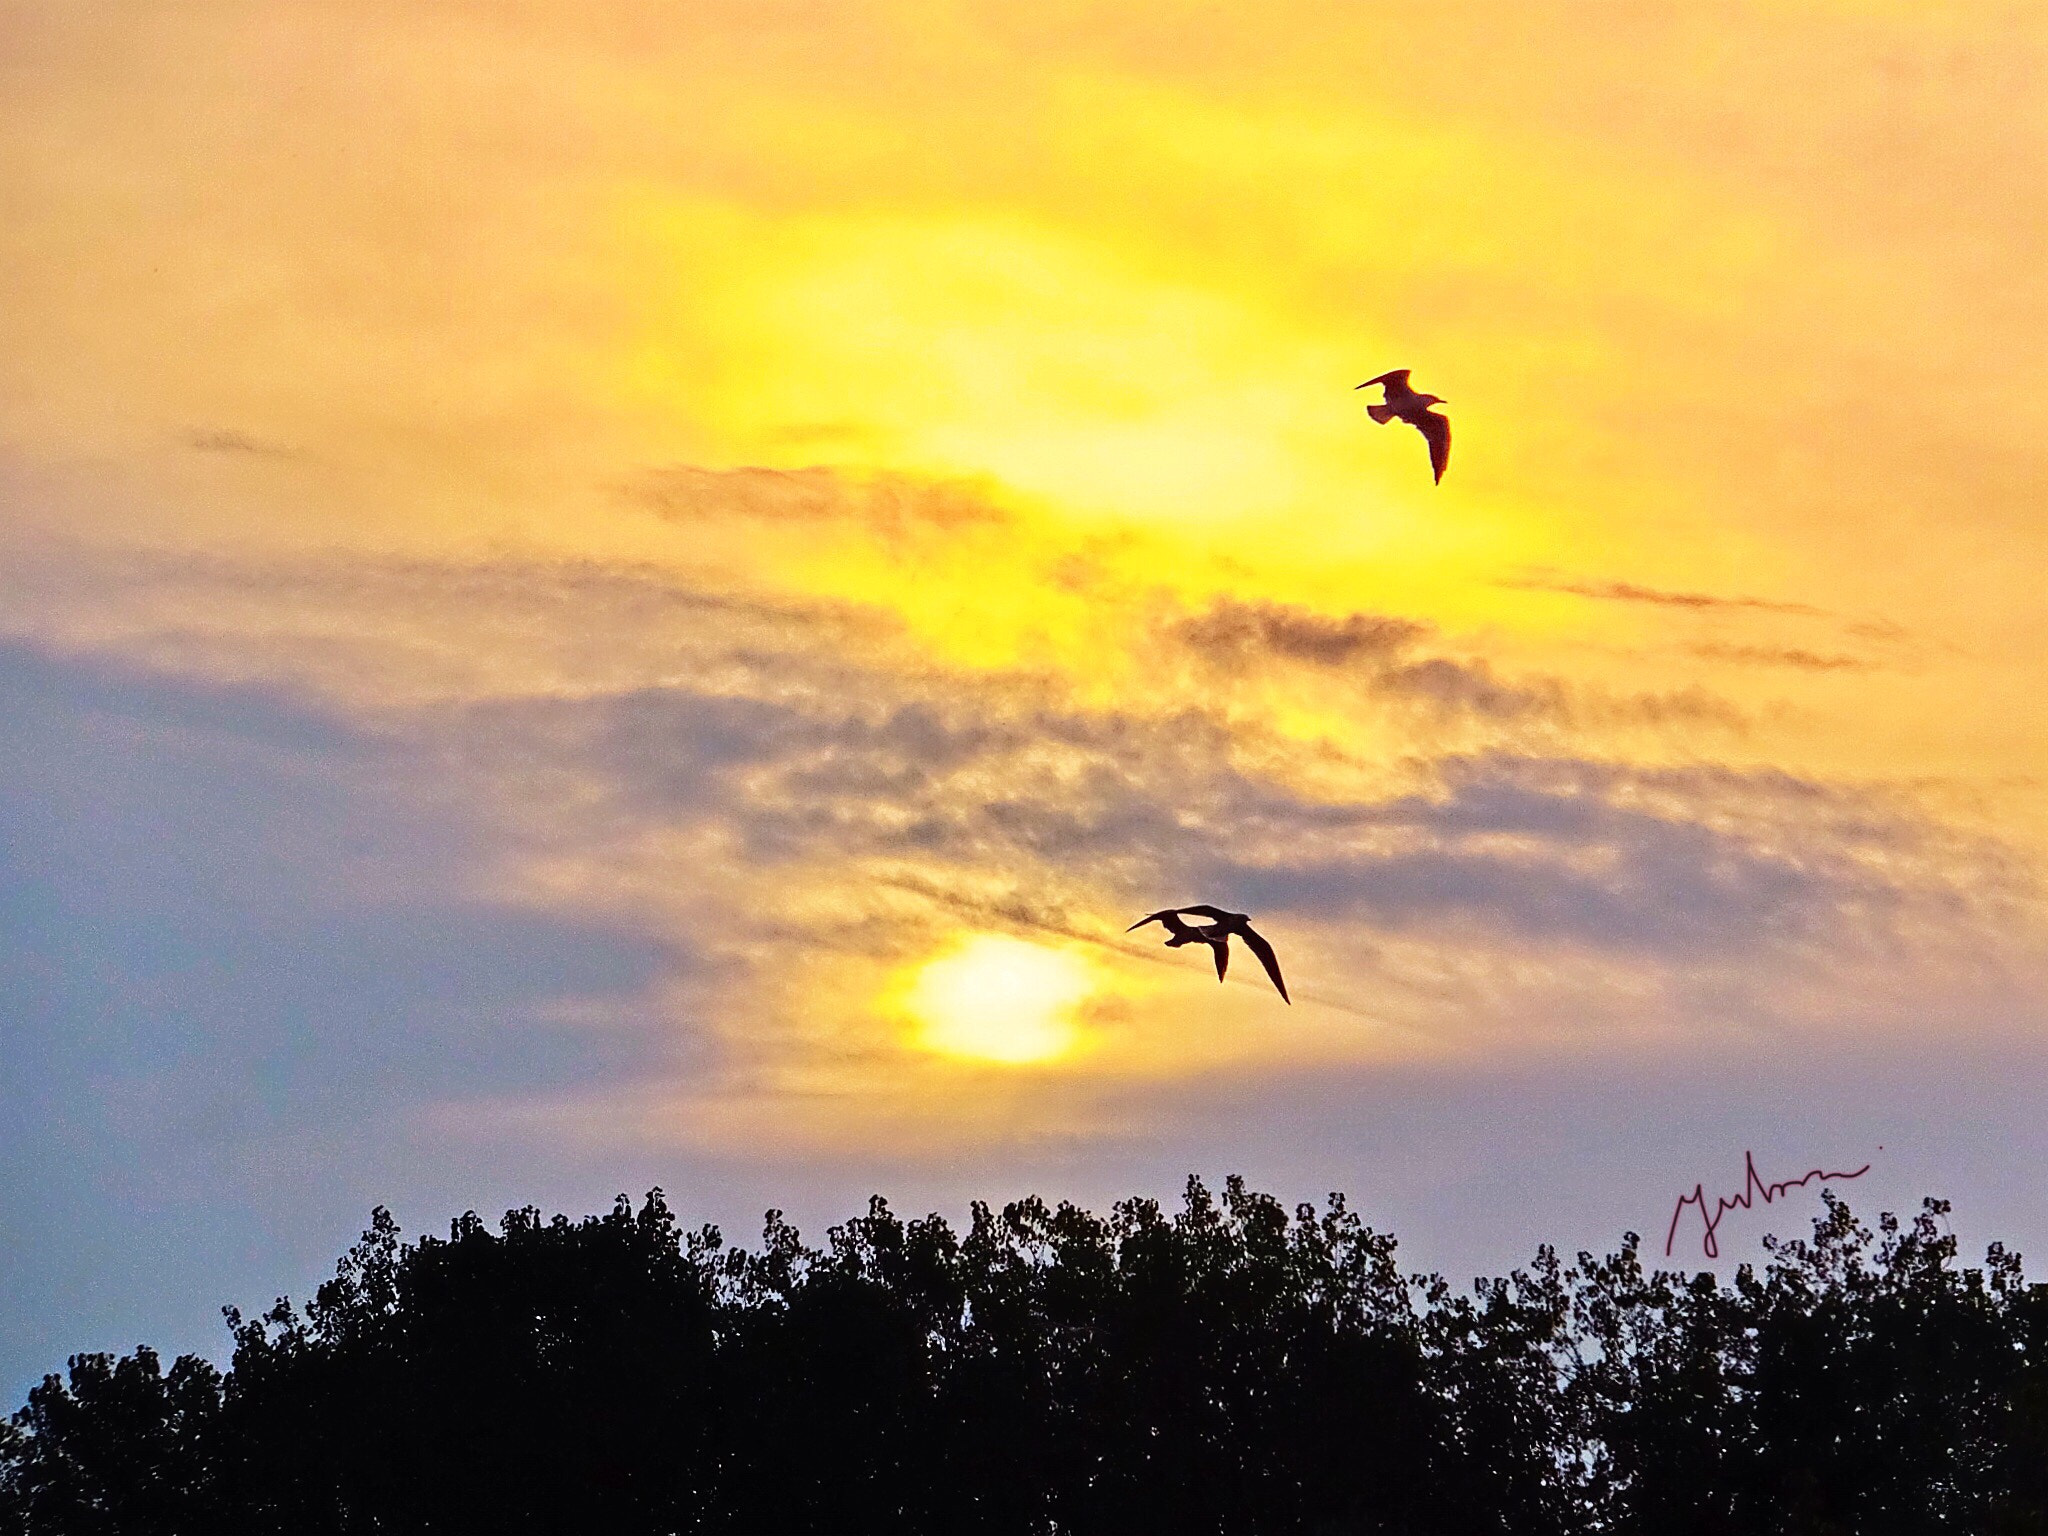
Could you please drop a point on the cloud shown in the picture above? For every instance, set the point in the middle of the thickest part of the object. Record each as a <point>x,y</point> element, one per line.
<point>1238,638</point>
<point>889,505</point>
<point>1664,864</point>
<point>1776,656</point>
<point>1231,631</point>
<point>786,742</point>
<point>769,780</point>
<point>1596,856</point>
<point>227,440</point>
<point>1233,635</point>
<point>1629,592</point>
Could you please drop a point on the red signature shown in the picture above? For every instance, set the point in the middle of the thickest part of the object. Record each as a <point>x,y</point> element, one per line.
<point>1752,1185</point>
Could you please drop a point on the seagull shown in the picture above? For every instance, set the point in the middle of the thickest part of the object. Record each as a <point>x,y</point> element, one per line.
<point>1217,935</point>
<point>1401,403</point>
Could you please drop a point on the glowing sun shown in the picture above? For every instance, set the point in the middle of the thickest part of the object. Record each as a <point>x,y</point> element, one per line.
<point>999,999</point>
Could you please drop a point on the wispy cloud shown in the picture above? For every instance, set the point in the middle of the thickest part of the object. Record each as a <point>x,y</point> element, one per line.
<point>1235,632</point>
<point>887,505</point>
<point>227,440</point>
<point>823,759</point>
<point>1390,658</point>
<point>1784,656</point>
<point>780,738</point>
<point>1630,592</point>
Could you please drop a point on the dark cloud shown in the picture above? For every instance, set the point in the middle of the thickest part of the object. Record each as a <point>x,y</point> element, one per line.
<point>1240,636</point>
<point>794,747</point>
<point>1565,851</point>
<point>1472,688</point>
<point>1387,657</point>
<point>1668,865</point>
<point>1233,632</point>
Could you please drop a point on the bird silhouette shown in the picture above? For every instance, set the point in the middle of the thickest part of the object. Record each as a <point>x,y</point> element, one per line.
<point>1402,403</point>
<point>1217,934</point>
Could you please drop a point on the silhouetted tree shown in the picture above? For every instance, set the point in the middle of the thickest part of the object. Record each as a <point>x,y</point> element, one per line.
<point>1229,1369</point>
<point>123,1447</point>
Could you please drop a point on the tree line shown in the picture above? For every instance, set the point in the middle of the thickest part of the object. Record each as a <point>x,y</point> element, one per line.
<point>1227,1369</point>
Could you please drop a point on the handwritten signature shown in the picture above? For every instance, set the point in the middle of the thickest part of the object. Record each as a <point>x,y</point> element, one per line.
<point>1752,1185</point>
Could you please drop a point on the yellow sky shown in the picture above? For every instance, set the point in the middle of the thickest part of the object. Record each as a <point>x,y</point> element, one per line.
<point>1058,309</point>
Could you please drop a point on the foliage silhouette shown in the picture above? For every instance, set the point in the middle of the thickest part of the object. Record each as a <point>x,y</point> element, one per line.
<point>1228,1369</point>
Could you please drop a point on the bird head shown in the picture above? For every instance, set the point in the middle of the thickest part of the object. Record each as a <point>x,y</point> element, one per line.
<point>1432,400</point>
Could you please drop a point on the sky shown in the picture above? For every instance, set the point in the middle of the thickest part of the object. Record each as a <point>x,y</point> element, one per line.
<point>624,595</point>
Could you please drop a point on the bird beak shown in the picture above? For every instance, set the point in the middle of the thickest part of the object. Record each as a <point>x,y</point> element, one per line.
<point>1361,386</point>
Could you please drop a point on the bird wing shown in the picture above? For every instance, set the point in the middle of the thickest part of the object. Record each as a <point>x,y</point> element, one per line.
<point>1396,380</point>
<point>1267,958</point>
<point>1222,948</point>
<point>1217,913</point>
<point>1170,920</point>
<point>1438,430</point>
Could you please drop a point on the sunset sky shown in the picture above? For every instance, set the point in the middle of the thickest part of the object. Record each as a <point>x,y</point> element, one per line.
<point>618,594</point>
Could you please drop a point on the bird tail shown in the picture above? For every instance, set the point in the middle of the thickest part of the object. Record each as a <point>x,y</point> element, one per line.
<point>1380,413</point>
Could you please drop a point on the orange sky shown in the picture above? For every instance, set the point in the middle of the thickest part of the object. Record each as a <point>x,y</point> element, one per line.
<point>429,370</point>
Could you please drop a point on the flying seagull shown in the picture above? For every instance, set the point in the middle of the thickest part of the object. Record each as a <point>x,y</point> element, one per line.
<point>1216,934</point>
<point>1401,403</point>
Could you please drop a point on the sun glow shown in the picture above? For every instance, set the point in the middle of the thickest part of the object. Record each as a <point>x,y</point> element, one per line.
<point>999,999</point>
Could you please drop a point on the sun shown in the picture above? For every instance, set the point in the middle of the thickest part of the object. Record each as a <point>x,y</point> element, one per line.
<point>993,998</point>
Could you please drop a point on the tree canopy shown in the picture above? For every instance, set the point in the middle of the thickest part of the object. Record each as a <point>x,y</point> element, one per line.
<point>1227,1369</point>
